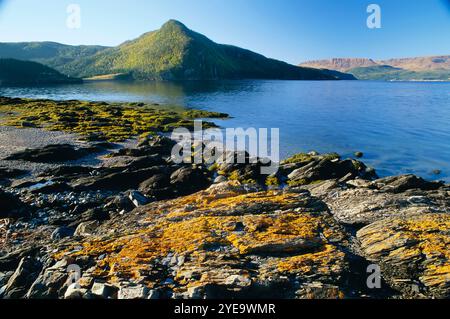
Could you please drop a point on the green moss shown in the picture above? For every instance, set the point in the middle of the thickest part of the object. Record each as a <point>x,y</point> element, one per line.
<point>111,122</point>
<point>234,176</point>
<point>272,181</point>
<point>199,114</point>
<point>214,167</point>
<point>304,158</point>
<point>298,158</point>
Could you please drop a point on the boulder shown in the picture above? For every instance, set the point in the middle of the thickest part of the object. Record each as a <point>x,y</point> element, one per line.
<point>49,285</point>
<point>86,229</point>
<point>157,186</point>
<point>402,183</point>
<point>52,154</point>
<point>136,292</point>
<point>325,169</point>
<point>104,291</point>
<point>138,199</point>
<point>118,181</point>
<point>189,179</point>
<point>73,292</point>
<point>22,279</point>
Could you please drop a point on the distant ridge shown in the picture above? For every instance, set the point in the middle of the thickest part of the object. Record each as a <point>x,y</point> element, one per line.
<point>174,52</point>
<point>17,72</point>
<point>340,64</point>
<point>432,68</point>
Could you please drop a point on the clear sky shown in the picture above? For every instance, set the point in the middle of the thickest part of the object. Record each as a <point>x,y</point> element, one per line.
<point>289,30</point>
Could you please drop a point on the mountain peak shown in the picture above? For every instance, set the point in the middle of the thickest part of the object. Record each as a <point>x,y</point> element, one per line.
<point>173,24</point>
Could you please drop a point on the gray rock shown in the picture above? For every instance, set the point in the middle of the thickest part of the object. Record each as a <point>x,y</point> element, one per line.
<point>138,199</point>
<point>4,277</point>
<point>24,276</point>
<point>62,232</point>
<point>137,292</point>
<point>220,179</point>
<point>73,292</point>
<point>86,229</point>
<point>103,290</point>
<point>49,284</point>
<point>238,281</point>
<point>402,183</point>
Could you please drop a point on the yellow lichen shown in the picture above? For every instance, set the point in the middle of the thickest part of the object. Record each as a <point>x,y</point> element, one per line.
<point>284,233</point>
<point>327,261</point>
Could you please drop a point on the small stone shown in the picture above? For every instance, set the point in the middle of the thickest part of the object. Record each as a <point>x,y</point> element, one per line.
<point>103,290</point>
<point>73,292</point>
<point>359,154</point>
<point>138,199</point>
<point>138,292</point>
<point>238,280</point>
<point>437,172</point>
<point>62,232</point>
<point>220,179</point>
<point>86,229</point>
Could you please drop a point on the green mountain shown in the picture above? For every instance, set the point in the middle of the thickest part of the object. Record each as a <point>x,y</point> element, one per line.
<point>61,57</point>
<point>173,52</point>
<point>17,72</point>
<point>176,52</point>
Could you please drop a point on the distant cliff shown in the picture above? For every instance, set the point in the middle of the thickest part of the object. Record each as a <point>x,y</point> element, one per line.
<point>435,68</point>
<point>340,64</point>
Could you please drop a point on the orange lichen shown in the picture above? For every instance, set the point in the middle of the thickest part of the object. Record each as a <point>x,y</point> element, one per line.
<point>282,233</point>
<point>422,237</point>
<point>327,261</point>
<point>227,202</point>
<point>268,222</point>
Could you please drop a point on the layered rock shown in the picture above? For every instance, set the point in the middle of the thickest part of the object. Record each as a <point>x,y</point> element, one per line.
<point>414,252</point>
<point>223,242</point>
<point>145,227</point>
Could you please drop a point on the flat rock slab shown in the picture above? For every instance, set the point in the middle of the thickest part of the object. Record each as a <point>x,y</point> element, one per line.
<point>14,140</point>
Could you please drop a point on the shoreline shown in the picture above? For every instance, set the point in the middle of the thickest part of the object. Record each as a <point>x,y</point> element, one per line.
<point>141,226</point>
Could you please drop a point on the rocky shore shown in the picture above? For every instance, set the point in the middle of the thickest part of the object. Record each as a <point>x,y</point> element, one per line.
<point>137,225</point>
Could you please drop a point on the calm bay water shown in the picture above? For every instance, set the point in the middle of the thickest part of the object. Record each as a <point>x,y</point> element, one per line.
<point>401,127</point>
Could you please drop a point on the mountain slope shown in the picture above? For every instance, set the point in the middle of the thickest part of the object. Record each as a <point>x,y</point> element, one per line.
<point>435,68</point>
<point>55,55</point>
<point>17,72</point>
<point>177,53</point>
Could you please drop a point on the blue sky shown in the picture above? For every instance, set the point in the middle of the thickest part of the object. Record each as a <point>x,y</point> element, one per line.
<point>289,30</point>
